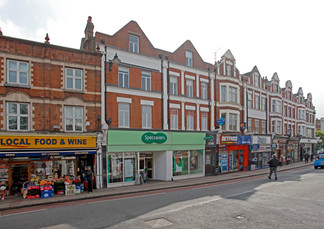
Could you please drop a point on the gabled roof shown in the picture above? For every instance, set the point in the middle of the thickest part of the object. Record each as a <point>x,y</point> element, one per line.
<point>228,54</point>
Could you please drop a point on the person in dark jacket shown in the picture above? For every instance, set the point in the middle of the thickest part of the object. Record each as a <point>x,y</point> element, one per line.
<point>89,176</point>
<point>273,163</point>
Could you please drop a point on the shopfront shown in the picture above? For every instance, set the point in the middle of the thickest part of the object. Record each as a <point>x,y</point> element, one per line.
<point>234,153</point>
<point>211,155</point>
<point>260,152</point>
<point>162,155</point>
<point>46,157</point>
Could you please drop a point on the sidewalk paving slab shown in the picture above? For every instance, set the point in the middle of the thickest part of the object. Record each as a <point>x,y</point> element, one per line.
<point>14,202</point>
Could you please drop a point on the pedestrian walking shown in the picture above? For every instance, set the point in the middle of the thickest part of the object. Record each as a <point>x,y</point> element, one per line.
<point>312,157</point>
<point>281,161</point>
<point>306,156</point>
<point>273,163</point>
<point>89,176</point>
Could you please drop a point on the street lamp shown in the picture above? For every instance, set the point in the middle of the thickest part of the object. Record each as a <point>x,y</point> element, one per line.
<point>115,60</point>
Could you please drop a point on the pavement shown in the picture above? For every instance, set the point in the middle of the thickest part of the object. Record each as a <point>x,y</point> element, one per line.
<point>15,202</point>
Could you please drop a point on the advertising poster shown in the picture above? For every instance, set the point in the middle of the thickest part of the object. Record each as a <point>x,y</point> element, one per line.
<point>178,164</point>
<point>224,162</point>
<point>129,168</point>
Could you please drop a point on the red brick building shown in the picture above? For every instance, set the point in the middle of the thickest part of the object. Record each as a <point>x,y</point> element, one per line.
<point>50,110</point>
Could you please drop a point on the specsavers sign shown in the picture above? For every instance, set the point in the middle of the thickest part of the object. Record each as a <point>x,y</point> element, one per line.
<point>45,142</point>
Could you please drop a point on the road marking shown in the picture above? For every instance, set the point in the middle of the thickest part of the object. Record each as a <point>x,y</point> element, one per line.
<point>20,213</point>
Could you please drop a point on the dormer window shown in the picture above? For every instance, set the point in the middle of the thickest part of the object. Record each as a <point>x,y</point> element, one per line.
<point>133,43</point>
<point>189,60</point>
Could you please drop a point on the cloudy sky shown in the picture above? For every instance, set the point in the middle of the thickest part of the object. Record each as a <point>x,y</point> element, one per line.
<point>283,36</point>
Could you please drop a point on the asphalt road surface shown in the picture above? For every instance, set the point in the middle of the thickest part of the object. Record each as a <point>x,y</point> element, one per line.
<point>295,200</point>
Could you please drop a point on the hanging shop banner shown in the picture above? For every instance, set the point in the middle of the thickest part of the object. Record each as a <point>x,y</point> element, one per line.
<point>235,140</point>
<point>47,142</point>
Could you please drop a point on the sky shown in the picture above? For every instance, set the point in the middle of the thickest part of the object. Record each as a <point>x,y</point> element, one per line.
<point>278,36</point>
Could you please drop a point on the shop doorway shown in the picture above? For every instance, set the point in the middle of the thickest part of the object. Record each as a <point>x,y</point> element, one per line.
<point>146,162</point>
<point>20,173</point>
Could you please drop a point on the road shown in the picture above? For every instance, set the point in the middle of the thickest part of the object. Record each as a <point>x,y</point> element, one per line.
<point>295,200</point>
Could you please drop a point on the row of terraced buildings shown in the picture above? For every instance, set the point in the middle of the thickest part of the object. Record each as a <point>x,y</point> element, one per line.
<point>119,105</point>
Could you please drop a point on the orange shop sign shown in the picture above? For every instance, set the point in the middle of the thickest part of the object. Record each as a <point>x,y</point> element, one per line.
<point>45,142</point>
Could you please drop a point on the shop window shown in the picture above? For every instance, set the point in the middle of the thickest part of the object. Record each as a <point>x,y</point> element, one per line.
<point>44,169</point>
<point>196,162</point>
<point>17,72</point>
<point>4,172</point>
<point>73,78</point>
<point>73,118</point>
<point>187,162</point>
<point>64,168</point>
<point>18,116</point>
<point>121,167</point>
<point>180,163</point>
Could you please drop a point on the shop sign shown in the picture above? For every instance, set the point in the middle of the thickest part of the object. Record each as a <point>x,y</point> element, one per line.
<point>151,137</point>
<point>235,140</point>
<point>255,147</point>
<point>47,142</point>
<point>209,137</point>
<point>44,154</point>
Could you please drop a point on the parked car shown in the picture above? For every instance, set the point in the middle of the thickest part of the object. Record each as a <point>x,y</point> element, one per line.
<point>319,161</point>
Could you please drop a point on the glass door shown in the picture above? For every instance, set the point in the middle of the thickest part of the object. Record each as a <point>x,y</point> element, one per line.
<point>146,162</point>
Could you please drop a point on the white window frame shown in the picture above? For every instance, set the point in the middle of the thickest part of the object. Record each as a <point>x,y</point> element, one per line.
<point>146,117</point>
<point>249,125</point>
<point>263,103</point>
<point>203,90</point>
<point>123,77</point>
<point>189,58</point>
<point>232,124</point>
<point>74,77</point>
<point>256,101</point>
<point>263,127</point>
<point>223,92</point>
<point>123,115</point>
<point>174,119</point>
<point>257,126</point>
<point>232,91</point>
<point>189,88</point>
<point>256,80</point>
<point>133,43</point>
<point>18,116</point>
<point>173,85</point>
<point>204,121</point>
<point>19,72</point>
<point>74,118</point>
<point>228,70</point>
<point>146,81</point>
<point>250,100</point>
<point>190,120</point>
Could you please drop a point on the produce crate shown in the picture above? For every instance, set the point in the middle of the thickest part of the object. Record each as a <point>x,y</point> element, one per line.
<point>69,189</point>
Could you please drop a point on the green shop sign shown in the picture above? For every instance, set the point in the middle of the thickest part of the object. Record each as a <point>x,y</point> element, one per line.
<point>150,137</point>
